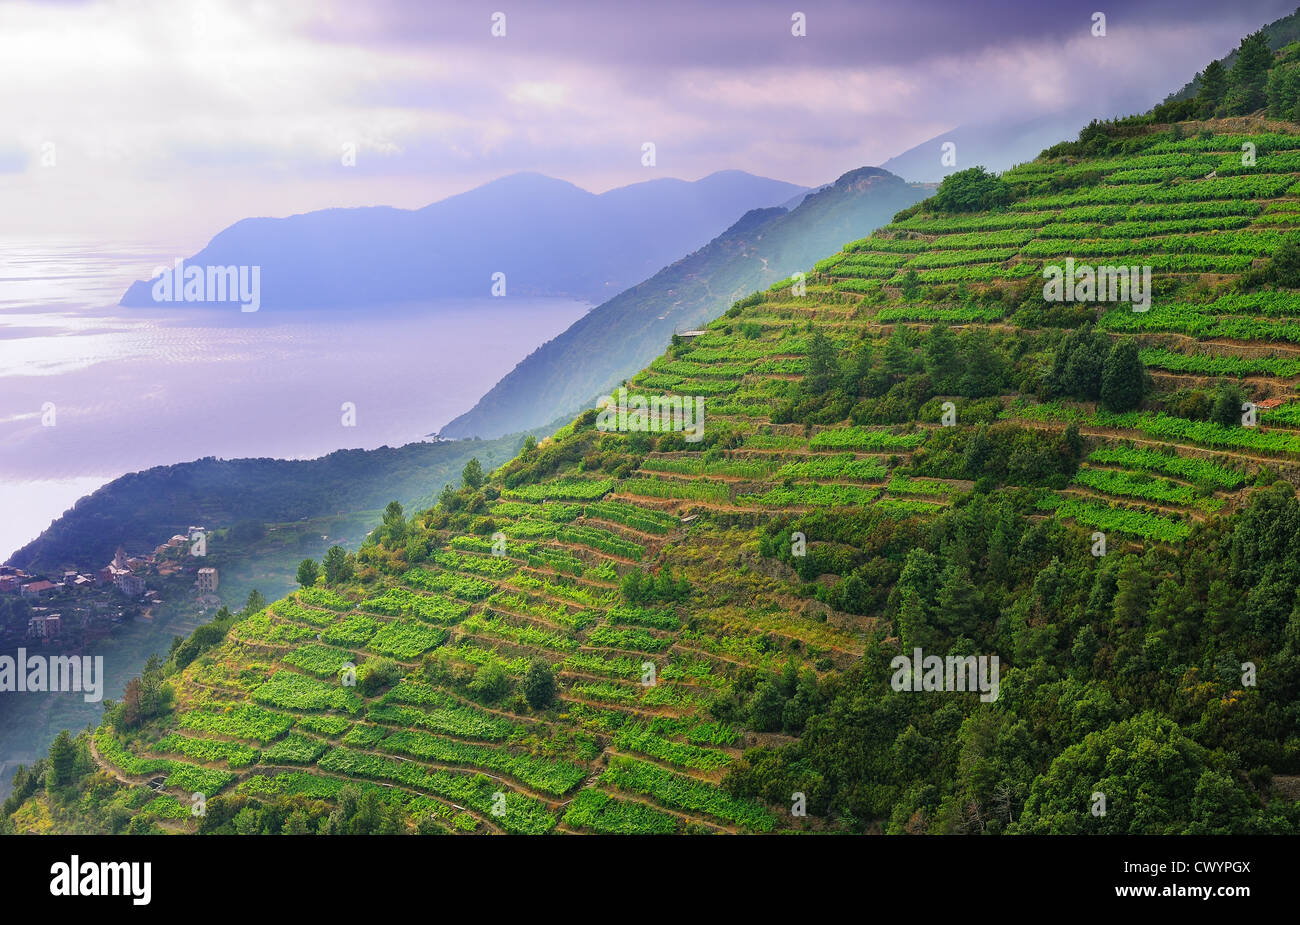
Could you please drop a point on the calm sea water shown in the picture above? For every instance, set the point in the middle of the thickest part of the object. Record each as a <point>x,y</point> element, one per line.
<point>126,389</point>
<point>133,388</point>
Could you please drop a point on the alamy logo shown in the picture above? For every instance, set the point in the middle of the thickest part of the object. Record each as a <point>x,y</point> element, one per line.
<point>53,674</point>
<point>923,672</point>
<point>209,284</point>
<point>655,414</point>
<point>104,878</point>
<point>1100,284</point>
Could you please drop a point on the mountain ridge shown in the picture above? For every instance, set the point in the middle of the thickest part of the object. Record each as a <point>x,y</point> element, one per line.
<point>548,236</point>
<point>573,368</point>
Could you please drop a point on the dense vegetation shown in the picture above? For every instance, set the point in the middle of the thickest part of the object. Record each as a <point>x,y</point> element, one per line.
<point>143,509</point>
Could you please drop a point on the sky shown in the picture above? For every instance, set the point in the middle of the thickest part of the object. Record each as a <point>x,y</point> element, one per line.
<point>166,120</point>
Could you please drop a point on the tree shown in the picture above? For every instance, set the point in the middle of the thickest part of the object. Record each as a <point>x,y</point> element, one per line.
<point>395,523</point>
<point>971,190</point>
<point>155,694</point>
<point>539,684</point>
<point>941,361</point>
<point>297,823</point>
<point>1078,364</point>
<point>1248,81</point>
<point>63,762</point>
<point>131,704</point>
<point>911,286</point>
<point>358,812</point>
<point>472,476</point>
<point>983,365</point>
<point>337,565</point>
<point>1153,778</point>
<point>957,602</point>
<point>1284,92</point>
<point>254,602</point>
<point>898,356</point>
<point>767,707</point>
<point>823,364</point>
<point>308,572</point>
<point>1226,409</point>
<point>1214,85</point>
<point>1123,378</point>
<point>1284,265</point>
<point>857,372</point>
<point>490,682</point>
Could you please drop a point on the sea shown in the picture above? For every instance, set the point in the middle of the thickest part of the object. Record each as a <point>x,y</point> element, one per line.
<point>90,390</point>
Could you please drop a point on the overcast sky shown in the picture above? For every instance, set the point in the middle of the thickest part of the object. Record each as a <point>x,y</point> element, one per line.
<point>167,120</point>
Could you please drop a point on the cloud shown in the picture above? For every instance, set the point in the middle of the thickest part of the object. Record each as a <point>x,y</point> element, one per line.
<point>185,115</point>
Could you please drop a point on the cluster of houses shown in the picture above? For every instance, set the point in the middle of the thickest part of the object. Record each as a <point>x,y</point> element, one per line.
<point>15,580</point>
<point>121,573</point>
<point>125,573</point>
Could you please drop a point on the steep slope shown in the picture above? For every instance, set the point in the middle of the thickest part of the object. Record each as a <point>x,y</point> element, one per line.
<point>589,640</point>
<point>619,337</point>
<point>142,509</point>
<point>549,237</point>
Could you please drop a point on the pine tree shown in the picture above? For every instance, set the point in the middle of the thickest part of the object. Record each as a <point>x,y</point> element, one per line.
<point>1123,378</point>
<point>941,362</point>
<point>1214,86</point>
<point>898,357</point>
<point>539,684</point>
<point>823,364</point>
<point>308,572</point>
<point>337,565</point>
<point>472,475</point>
<point>1248,81</point>
<point>63,760</point>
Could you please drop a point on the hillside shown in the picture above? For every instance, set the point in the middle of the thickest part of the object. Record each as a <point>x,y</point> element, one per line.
<point>1277,34</point>
<point>651,652</point>
<point>142,509</point>
<point>549,237</point>
<point>617,338</point>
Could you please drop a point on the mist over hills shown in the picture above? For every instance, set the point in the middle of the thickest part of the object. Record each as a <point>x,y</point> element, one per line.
<point>619,337</point>
<point>996,147</point>
<point>549,237</point>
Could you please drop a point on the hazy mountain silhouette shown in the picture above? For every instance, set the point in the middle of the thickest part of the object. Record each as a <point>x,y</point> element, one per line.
<point>621,336</point>
<point>548,236</point>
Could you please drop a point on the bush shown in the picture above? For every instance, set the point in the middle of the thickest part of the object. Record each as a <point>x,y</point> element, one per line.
<point>539,684</point>
<point>971,190</point>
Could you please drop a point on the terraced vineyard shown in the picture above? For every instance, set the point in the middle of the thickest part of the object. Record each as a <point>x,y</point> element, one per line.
<point>690,599</point>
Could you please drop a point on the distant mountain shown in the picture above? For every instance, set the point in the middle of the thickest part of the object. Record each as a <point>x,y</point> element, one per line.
<point>995,147</point>
<point>619,337</point>
<point>548,236</point>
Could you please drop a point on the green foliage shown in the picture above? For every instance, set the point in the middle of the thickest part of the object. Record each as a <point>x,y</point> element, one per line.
<point>971,190</point>
<point>338,565</point>
<point>605,815</point>
<point>539,684</point>
<point>308,572</point>
<point>683,793</point>
<point>1124,380</point>
<point>472,476</point>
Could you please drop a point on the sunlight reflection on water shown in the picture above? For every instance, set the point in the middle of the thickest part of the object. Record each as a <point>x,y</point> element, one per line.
<point>133,388</point>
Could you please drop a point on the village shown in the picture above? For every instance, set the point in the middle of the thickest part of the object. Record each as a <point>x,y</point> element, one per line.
<point>76,608</point>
